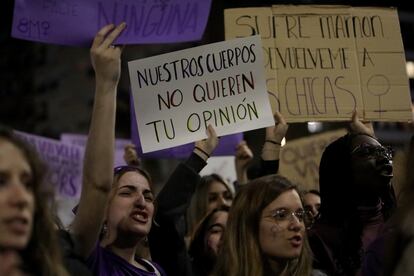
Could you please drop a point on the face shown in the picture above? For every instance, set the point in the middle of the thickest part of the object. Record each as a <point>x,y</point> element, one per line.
<point>216,227</point>
<point>312,203</point>
<point>371,165</point>
<point>218,195</point>
<point>16,197</point>
<point>132,208</point>
<point>281,233</point>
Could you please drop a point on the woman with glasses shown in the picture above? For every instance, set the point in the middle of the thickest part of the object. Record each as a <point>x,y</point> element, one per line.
<point>116,208</point>
<point>266,231</point>
<point>357,198</point>
<point>167,242</point>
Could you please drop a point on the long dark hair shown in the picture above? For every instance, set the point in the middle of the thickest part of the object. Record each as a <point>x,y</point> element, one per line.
<point>42,255</point>
<point>199,200</point>
<point>201,259</point>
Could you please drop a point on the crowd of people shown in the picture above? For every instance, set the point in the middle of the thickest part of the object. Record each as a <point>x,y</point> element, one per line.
<point>200,226</point>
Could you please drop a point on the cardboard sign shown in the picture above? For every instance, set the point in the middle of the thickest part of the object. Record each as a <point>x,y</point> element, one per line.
<point>75,22</point>
<point>323,62</point>
<point>65,163</point>
<point>300,158</point>
<point>177,95</point>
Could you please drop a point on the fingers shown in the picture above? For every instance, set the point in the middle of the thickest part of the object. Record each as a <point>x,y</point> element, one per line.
<point>279,118</point>
<point>103,39</point>
<point>241,144</point>
<point>211,132</point>
<point>100,36</point>
<point>109,40</point>
<point>358,126</point>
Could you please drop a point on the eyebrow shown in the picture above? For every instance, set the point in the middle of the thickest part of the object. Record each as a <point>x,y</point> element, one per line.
<point>134,188</point>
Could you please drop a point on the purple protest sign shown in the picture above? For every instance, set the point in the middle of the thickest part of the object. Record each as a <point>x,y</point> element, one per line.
<point>81,139</point>
<point>75,22</point>
<point>64,163</point>
<point>226,146</point>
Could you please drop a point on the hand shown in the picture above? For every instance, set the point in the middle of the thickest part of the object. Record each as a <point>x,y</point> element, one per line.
<point>207,145</point>
<point>243,155</point>
<point>131,156</point>
<point>357,126</point>
<point>278,131</point>
<point>106,58</point>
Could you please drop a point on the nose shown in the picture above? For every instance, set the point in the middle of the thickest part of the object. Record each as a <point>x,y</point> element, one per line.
<point>20,195</point>
<point>140,201</point>
<point>295,223</point>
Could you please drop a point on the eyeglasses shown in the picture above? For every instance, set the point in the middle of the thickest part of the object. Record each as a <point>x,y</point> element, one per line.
<point>367,150</point>
<point>285,215</point>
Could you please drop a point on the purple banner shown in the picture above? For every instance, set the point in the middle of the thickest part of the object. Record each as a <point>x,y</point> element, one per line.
<point>64,162</point>
<point>75,22</point>
<point>226,146</point>
<point>81,139</point>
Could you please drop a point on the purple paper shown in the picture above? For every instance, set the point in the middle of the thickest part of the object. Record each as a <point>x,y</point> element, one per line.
<point>226,147</point>
<point>65,163</point>
<point>75,22</point>
<point>81,139</point>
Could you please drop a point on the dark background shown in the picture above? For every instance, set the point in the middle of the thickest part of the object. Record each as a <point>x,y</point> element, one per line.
<point>48,89</point>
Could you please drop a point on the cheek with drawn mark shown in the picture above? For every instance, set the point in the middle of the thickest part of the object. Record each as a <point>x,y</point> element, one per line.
<point>275,230</point>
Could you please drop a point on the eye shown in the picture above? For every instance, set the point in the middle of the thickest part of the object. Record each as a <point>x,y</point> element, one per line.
<point>281,214</point>
<point>27,181</point>
<point>3,179</point>
<point>125,193</point>
<point>300,214</point>
<point>228,196</point>
<point>216,230</point>
<point>149,197</point>
<point>212,198</point>
<point>308,208</point>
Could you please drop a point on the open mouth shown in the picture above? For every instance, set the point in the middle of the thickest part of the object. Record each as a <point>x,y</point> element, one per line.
<point>141,217</point>
<point>386,170</point>
<point>19,225</point>
<point>296,241</point>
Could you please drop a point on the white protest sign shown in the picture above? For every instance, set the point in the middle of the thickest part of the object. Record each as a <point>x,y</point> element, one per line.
<point>177,95</point>
<point>223,166</point>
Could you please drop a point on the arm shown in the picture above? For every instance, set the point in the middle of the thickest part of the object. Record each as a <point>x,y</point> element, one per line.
<point>99,154</point>
<point>243,158</point>
<point>185,177</point>
<point>272,145</point>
